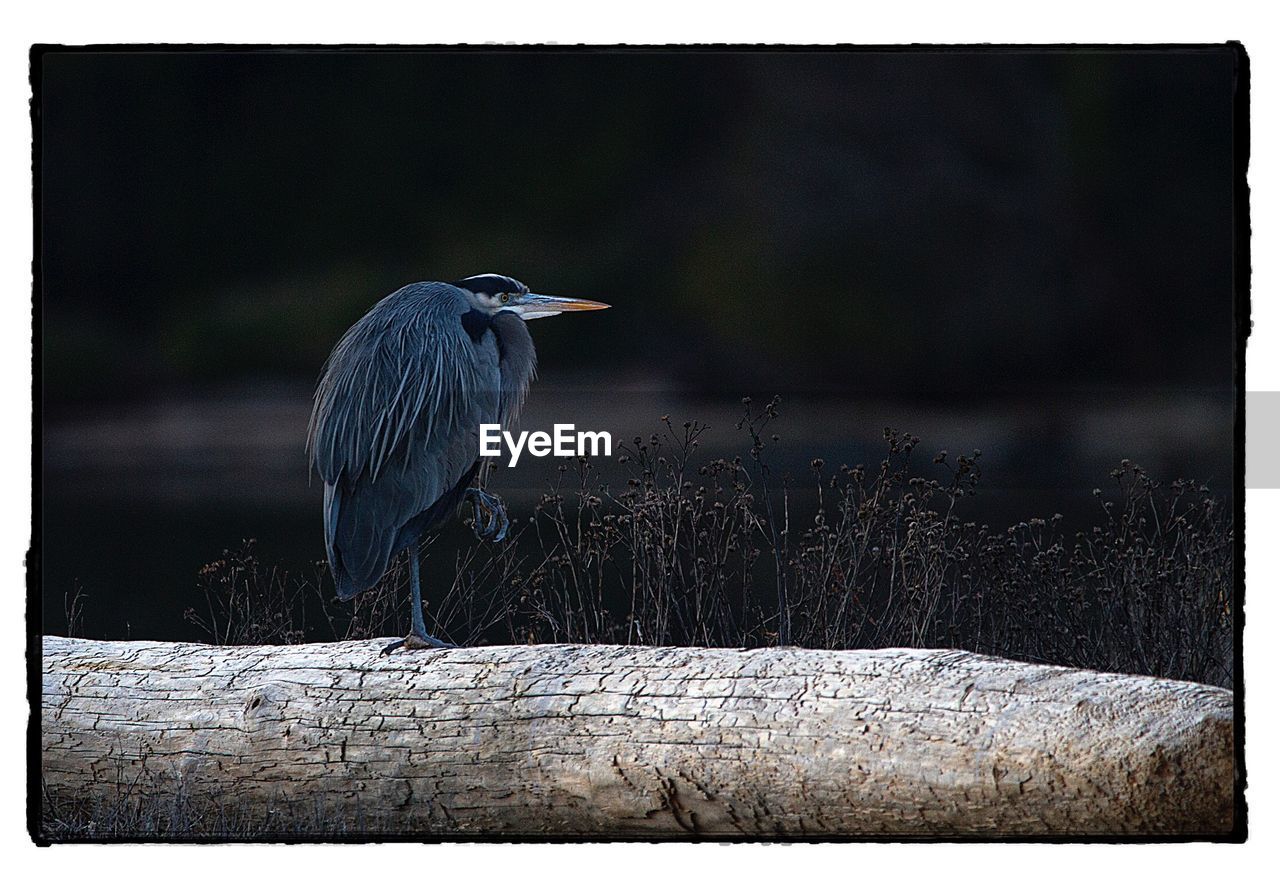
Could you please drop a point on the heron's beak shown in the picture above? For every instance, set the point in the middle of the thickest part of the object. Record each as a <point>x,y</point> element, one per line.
<point>535,305</point>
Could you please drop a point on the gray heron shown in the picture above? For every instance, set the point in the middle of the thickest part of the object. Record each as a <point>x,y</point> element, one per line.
<point>394,431</point>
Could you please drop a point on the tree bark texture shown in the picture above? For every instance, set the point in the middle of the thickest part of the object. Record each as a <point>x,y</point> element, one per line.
<point>570,741</point>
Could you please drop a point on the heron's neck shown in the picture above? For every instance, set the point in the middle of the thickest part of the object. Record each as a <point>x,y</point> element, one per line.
<point>517,362</point>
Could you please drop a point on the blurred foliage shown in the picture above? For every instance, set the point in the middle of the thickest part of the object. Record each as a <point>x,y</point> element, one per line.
<point>810,218</point>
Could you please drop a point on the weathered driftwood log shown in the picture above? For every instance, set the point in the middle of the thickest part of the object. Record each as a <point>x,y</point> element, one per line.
<point>640,742</point>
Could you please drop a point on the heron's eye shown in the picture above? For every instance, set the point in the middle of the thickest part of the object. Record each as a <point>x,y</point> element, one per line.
<point>504,298</point>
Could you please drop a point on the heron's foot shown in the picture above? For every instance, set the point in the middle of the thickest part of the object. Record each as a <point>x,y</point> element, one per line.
<point>415,642</point>
<point>489,516</point>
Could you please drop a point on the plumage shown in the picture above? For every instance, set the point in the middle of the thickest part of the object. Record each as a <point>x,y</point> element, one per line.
<point>394,432</point>
<point>395,429</point>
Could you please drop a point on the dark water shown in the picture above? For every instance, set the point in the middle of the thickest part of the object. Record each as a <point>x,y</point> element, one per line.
<point>137,499</point>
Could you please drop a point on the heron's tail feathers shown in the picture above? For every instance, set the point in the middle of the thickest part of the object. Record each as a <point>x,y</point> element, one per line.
<point>350,580</point>
<point>359,554</point>
<point>345,585</point>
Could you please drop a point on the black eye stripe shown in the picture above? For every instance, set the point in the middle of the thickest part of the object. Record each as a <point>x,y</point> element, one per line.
<point>492,285</point>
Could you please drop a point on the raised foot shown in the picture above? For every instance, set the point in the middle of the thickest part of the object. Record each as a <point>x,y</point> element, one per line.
<point>415,642</point>
<point>488,514</point>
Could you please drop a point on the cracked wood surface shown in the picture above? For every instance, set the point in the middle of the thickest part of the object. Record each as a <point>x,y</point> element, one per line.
<point>590,741</point>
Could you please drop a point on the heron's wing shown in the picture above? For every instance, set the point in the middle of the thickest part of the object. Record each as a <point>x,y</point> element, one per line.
<point>367,522</point>
<point>395,425</point>
<point>405,367</point>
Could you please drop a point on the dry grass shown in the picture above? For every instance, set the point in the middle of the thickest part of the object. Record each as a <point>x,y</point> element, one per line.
<point>714,553</point>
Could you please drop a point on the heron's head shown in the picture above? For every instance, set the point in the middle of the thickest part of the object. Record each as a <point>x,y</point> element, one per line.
<point>497,293</point>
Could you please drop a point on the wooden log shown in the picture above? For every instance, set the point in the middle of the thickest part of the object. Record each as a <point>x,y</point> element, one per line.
<point>638,742</point>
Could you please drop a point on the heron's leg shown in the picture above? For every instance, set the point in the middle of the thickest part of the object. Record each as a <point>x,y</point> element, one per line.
<point>418,638</point>
<point>415,592</point>
<point>494,524</point>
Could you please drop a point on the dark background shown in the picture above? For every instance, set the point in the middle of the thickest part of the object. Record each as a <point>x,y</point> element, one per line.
<point>1024,252</point>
